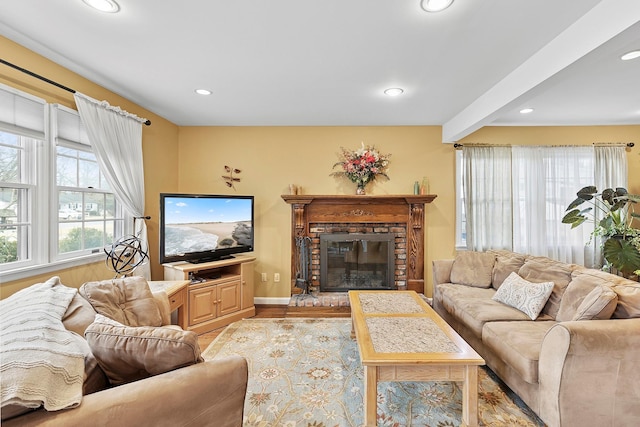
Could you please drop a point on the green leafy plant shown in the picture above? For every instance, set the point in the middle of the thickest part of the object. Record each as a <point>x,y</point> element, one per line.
<point>621,240</point>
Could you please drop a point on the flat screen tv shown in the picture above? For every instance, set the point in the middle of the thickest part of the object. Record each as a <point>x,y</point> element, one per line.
<point>204,227</point>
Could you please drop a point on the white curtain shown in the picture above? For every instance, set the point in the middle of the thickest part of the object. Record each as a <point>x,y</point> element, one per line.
<point>610,172</point>
<point>487,191</point>
<point>611,167</point>
<point>545,181</point>
<point>116,138</point>
<point>515,197</point>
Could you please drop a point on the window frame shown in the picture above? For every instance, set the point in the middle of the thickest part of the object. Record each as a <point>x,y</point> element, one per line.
<point>43,201</point>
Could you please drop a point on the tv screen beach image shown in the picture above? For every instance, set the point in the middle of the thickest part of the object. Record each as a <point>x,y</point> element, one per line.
<point>206,223</point>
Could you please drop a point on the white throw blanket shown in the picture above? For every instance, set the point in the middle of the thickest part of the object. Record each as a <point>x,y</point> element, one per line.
<point>41,363</point>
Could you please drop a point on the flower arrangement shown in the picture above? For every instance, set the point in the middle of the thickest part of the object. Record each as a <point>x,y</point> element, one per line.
<point>362,165</point>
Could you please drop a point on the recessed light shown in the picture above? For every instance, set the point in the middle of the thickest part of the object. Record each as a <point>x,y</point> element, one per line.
<point>109,6</point>
<point>435,5</point>
<point>526,111</point>
<point>394,91</point>
<point>631,55</point>
<point>203,92</point>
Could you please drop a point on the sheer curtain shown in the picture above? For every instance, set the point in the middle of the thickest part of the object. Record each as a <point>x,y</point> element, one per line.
<point>610,172</point>
<point>487,191</point>
<point>116,138</point>
<point>545,181</point>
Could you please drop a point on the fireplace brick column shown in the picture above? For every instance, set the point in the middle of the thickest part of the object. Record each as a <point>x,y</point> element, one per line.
<point>405,212</point>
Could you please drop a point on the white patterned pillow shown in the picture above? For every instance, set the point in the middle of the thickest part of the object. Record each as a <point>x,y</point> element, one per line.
<point>526,296</point>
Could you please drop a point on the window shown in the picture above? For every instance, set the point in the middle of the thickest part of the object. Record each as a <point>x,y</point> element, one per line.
<point>16,198</point>
<point>518,196</point>
<point>56,209</point>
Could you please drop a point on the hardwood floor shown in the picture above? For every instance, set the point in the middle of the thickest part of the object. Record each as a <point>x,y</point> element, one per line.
<point>279,311</point>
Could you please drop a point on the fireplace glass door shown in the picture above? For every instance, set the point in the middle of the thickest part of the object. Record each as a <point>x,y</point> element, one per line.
<point>356,262</point>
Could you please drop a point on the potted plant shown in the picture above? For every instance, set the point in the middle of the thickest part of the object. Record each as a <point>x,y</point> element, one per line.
<point>621,240</point>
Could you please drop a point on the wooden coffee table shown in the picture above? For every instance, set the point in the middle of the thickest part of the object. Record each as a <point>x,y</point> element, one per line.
<point>401,338</point>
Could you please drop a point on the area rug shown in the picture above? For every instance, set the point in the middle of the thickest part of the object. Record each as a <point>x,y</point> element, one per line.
<point>307,373</point>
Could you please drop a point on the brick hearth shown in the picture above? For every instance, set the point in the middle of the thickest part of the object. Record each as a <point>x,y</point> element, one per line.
<point>321,299</point>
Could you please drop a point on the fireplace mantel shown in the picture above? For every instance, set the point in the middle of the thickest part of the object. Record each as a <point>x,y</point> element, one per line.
<point>305,199</point>
<point>404,209</point>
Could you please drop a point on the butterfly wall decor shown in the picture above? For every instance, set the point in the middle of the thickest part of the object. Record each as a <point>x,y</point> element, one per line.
<point>229,179</point>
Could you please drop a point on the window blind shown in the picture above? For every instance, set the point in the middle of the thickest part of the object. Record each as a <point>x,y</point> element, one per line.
<point>21,113</point>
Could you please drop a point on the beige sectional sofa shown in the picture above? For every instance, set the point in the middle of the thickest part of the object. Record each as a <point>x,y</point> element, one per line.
<point>571,372</point>
<point>135,369</point>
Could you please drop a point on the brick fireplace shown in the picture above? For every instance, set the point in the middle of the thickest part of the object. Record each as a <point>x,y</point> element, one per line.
<point>399,216</point>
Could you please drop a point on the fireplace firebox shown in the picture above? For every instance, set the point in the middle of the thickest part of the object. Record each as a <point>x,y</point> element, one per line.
<point>355,261</point>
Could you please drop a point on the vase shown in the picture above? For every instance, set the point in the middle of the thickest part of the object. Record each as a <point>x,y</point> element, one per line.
<point>360,190</point>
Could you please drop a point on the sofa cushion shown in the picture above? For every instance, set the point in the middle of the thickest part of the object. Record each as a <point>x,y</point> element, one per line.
<point>473,307</point>
<point>628,300</point>
<point>128,301</point>
<point>526,296</point>
<point>582,283</point>
<point>506,263</point>
<point>79,315</point>
<point>518,344</point>
<point>473,269</point>
<point>128,353</point>
<point>599,304</point>
<point>541,269</point>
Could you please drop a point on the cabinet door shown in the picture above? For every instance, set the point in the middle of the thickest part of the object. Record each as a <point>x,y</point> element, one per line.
<point>228,298</point>
<point>202,304</point>
<point>246,272</point>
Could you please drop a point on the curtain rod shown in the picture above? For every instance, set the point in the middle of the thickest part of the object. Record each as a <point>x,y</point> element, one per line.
<point>44,79</point>
<point>599,144</point>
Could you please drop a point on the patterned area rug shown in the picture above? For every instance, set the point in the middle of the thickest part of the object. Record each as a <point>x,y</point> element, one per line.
<point>307,373</point>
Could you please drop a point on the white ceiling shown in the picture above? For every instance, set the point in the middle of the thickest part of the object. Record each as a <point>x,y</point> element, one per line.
<point>302,62</point>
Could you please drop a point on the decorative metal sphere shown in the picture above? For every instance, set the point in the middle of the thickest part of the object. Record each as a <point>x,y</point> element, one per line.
<point>122,254</point>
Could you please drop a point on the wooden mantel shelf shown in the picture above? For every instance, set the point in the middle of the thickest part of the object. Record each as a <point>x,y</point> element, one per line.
<point>305,199</point>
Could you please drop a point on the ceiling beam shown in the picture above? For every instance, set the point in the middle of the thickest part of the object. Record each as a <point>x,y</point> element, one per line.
<point>602,23</point>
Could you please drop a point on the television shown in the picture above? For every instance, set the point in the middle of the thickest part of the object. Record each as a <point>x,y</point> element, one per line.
<point>204,227</point>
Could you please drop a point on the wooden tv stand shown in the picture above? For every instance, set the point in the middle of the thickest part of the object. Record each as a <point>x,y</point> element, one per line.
<point>220,292</point>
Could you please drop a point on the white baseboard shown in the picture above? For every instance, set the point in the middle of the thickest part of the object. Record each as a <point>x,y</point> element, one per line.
<point>271,300</point>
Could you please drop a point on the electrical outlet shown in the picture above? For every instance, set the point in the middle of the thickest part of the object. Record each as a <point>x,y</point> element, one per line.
<point>264,277</point>
<point>276,277</point>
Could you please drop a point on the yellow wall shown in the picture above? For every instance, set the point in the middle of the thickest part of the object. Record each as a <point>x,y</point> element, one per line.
<point>192,160</point>
<point>159,145</point>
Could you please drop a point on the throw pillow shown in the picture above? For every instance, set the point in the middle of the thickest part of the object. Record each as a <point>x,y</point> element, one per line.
<point>128,354</point>
<point>507,262</point>
<point>541,269</point>
<point>128,301</point>
<point>582,283</point>
<point>628,300</point>
<point>473,269</point>
<point>523,295</point>
<point>599,304</point>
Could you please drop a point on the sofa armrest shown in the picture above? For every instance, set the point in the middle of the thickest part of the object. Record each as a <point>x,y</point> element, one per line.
<point>205,394</point>
<point>588,373</point>
<point>442,271</point>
